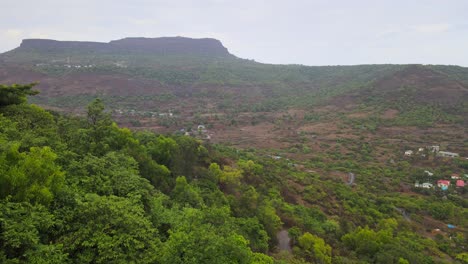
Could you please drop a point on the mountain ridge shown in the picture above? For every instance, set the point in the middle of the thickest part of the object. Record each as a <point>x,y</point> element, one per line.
<point>131,72</point>
<point>163,45</point>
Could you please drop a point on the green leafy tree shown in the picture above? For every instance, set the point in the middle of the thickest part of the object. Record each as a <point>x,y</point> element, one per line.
<point>30,176</point>
<point>251,229</point>
<point>95,112</point>
<point>15,94</point>
<point>110,229</point>
<point>363,241</point>
<point>207,236</point>
<point>315,248</point>
<point>463,257</point>
<point>186,194</point>
<point>23,239</point>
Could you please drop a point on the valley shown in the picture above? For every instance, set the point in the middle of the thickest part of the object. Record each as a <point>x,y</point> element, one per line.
<point>285,140</point>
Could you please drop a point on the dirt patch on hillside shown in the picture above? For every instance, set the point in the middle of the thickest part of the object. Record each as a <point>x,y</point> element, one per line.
<point>263,135</point>
<point>390,114</point>
<point>359,115</point>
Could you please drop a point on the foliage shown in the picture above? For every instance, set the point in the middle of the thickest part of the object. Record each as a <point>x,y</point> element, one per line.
<point>315,248</point>
<point>15,94</point>
<point>83,190</point>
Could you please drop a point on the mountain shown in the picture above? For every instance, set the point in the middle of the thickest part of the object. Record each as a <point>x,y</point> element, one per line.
<point>325,158</point>
<point>127,46</point>
<point>158,74</point>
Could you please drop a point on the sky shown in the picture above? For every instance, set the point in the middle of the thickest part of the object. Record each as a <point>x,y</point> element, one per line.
<point>309,32</point>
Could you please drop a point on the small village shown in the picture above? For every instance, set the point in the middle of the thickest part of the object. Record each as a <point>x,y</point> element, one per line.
<point>200,132</point>
<point>455,180</point>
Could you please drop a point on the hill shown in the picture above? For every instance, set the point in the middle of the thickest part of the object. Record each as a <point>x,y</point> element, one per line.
<point>45,50</point>
<point>182,67</point>
<point>244,150</point>
<point>83,190</point>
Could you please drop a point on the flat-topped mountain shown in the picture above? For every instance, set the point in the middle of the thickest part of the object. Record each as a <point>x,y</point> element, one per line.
<point>165,45</point>
<point>176,72</point>
<point>205,47</point>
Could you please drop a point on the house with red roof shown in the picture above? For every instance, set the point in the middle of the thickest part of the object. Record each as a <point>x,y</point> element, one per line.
<point>460,183</point>
<point>443,184</point>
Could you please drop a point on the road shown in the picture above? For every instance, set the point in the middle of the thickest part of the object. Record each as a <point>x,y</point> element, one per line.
<point>351,178</point>
<point>284,241</point>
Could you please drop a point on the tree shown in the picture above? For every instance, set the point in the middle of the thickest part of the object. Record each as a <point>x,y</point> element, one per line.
<point>315,248</point>
<point>363,240</point>
<point>463,257</point>
<point>186,194</point>
<point>206,236</point>
<point>15,94</point>
<point>215,172</point>
<point>163,150</point>
<point>269,219</point>
<point>110,229</point>
<point>442,210</point>
<point>112,174</point>
<point>95,112</point>
<point>30,176</point>
<point>23,229</point>
<point>251,229</point>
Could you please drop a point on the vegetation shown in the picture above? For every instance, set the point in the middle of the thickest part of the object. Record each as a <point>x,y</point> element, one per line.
<point>83,190</point>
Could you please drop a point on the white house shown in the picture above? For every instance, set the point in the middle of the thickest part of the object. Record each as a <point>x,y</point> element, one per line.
<point>420,149</point>
<point>425,185</point>
<point>433,148</point>
<point>408,153</point>
<point>428,173</point>
<point>447,154</point>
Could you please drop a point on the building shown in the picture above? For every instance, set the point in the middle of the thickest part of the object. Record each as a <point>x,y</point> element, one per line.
<point>460,183</point>
<point>455,176</point>
<point>409,153</point>
<point>425,185</point>
<point>433,148</point>
<point>443,184</point>
<point>447,154</point>
<point>428,173</point>
<point>420,149</point>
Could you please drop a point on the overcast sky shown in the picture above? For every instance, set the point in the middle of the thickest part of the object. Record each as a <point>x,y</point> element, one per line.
<point>311,32</point>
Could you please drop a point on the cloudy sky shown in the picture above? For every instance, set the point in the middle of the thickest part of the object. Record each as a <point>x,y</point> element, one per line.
<point>311,32</point>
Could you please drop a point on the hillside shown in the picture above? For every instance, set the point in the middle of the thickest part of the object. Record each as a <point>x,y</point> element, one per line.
<point>169,70</point>
<point>226,154</point>
<point>83,190</point>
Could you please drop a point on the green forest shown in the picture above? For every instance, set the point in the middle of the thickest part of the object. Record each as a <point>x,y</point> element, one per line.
<point>84,190</point>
